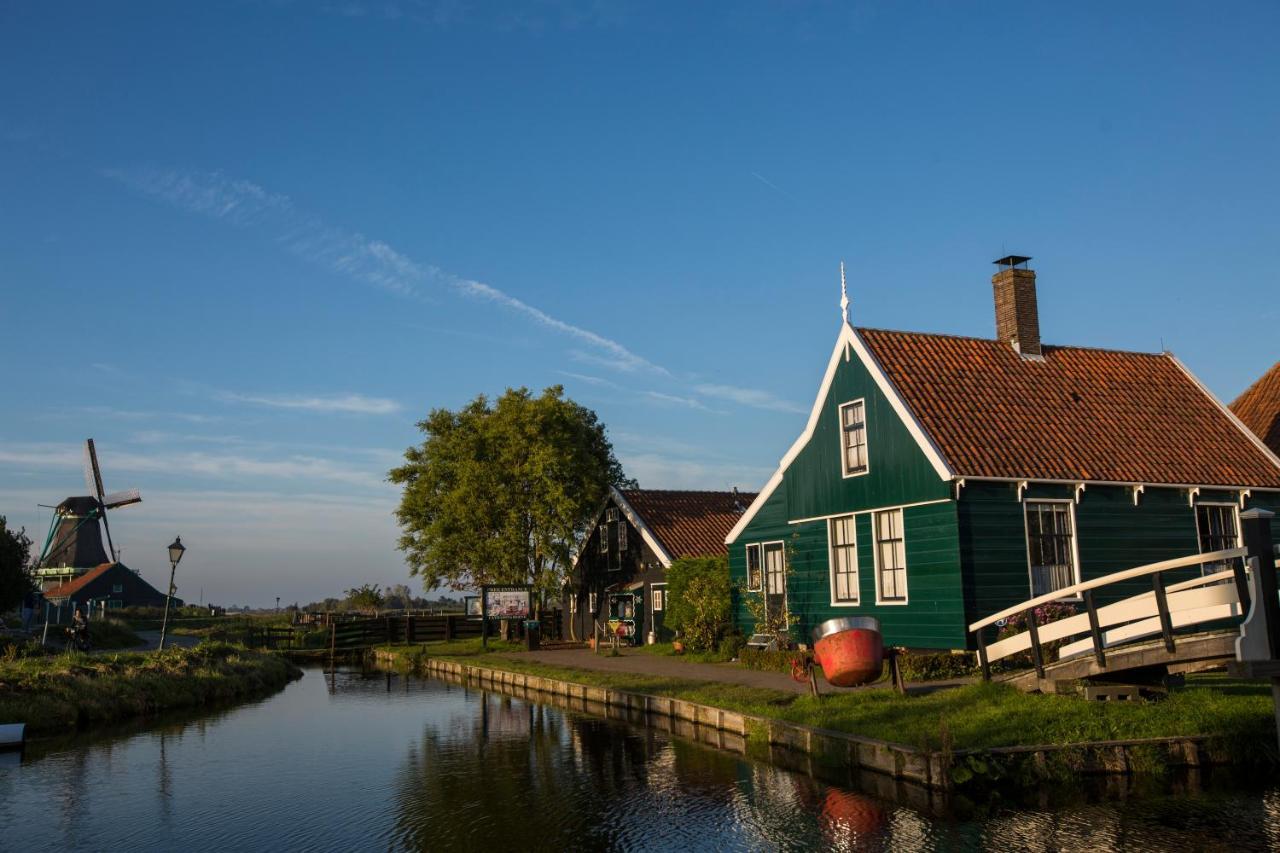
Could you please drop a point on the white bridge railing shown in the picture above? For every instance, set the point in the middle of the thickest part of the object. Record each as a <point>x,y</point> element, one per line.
<point>1220,595</point>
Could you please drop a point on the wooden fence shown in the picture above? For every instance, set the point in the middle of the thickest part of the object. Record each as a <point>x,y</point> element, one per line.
<point>362,633</point>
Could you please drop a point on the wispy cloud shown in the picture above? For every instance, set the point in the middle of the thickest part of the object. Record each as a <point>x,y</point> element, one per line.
<point>676,400</point>
<point>347,403</point>
<point>750,397</point>
<point>344,251</point>
<point>771,185</point>
<point>140,415</point>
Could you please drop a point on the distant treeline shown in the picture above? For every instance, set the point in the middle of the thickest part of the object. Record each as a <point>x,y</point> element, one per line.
<point>370,597</point>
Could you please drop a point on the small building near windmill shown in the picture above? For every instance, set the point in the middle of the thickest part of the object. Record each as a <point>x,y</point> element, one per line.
<point>940,478</point>
<point>619,575</point>
<point>1259,408</point>
<point>110,586</point>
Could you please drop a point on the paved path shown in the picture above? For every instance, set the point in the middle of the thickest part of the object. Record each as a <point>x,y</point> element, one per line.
<point>665,665</point>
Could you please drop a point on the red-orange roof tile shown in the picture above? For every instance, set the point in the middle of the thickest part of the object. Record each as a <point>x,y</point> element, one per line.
<point>1077,414</point>
<point>689,524</point>
<point>71,587</point>
<point>1259,408</point>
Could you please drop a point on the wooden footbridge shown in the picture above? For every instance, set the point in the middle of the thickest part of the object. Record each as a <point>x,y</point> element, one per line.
<point>1173,628</point>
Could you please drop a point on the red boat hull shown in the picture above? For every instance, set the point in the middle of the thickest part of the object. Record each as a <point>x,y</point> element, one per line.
<point>852,657</point>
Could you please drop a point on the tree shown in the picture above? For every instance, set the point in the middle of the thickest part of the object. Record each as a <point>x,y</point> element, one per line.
<point>365,597</point>
<point>699,600</point>
<point>15,575</point>
<point>499,493</point>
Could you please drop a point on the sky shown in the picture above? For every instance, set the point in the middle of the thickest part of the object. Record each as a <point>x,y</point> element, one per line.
<point>246,246</point>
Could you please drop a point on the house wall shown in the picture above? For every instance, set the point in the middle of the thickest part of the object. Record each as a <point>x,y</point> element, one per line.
<point>605,572</point>
<point>814,486</point>
<point>1111,533</point>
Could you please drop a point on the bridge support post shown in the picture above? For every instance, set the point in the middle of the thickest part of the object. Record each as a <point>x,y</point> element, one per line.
<point>1162,607</point>
<point>1037,656</point>
<point>1095,631</point>
<point>1259,645</point>
<point>982,654</point>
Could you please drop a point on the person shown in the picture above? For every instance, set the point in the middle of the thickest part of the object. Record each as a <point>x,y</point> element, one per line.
<point>80,630</point>
<point>28,609</point>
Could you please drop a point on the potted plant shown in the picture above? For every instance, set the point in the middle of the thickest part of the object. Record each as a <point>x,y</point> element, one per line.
<point>677,644</point>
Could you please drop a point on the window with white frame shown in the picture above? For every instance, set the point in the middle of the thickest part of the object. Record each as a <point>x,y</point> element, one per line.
<point>591,603</point>
<point>1051,551</point>
<point>843,545</point>
<point>658,597</point>
<point>853,437</point>
<point>573,603</point>
<point>622,536</point>
<point>891,557</point>
<point>1218,531</point>
<point>604,538</point>
<point>754,583</point>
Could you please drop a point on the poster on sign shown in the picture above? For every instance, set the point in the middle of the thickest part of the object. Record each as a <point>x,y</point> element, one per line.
<point>473,606</point>
<point>506,602</point>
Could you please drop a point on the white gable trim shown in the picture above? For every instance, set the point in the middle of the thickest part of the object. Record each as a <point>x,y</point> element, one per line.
<point>637,522</point>
<point>848,339</point>
<point>1257,442</point>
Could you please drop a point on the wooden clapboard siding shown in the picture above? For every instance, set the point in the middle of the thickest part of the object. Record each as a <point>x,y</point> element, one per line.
<point>898,474</point>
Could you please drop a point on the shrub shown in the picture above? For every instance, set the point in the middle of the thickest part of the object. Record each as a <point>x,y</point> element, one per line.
<point>766,661</point>
<point>699,600</point>
<point>731,645</point>
<point>936,666</point>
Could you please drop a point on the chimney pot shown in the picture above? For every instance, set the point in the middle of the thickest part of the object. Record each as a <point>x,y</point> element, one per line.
<point>1017,319</point>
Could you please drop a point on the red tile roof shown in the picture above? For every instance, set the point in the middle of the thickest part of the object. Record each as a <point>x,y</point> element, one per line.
<point>689,524</point>
<point>1078,414</point>
<point>1259,407</point>
<point>71,587</point>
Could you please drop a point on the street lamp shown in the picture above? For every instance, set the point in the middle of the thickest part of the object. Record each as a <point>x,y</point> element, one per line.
<point>176,551</point>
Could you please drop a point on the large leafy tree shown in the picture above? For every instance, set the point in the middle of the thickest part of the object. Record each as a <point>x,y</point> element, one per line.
<point>500,492</point>
<point>15,555</point>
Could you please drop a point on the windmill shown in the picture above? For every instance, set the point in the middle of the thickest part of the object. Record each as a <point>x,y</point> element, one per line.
<point>74,543</point>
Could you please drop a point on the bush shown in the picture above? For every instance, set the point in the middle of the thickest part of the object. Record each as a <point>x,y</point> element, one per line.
<point>937,666</point>
<point>731,645</point>
<point>699,600</point>
<point>766,661</point>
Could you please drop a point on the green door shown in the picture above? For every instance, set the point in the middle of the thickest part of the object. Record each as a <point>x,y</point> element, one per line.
<point>658,612</point>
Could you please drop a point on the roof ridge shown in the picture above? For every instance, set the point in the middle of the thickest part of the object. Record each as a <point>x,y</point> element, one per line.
<point>688,491</point>
<point>1257,383</point>
<point>952,336</point>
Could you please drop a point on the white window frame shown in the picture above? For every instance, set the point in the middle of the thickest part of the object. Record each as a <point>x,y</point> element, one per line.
<point>622,536</point>
<point>759,566</point>
<point>591,604</point>
<point>604,538</point>
<point>764,576</point>
<point>832,564</point>
<point>1235,514</point>
<point>866,442</point>
<point>875,555</point>
<point>1075,544</point>
<point>573,603</point>
<point>657,591</point>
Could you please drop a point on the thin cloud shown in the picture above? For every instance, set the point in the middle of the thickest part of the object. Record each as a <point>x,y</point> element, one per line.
<point>750,397</point>
<point>771,185</point>
<point>343,251</point>
<point>688,402</point>
<point>348,403</point>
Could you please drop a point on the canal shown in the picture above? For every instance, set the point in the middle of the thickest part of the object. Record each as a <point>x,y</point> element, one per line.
<point>352,761</point>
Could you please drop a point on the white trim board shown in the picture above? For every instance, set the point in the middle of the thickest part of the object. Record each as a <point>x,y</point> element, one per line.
<point>847,339</point>
<point>870,509</point>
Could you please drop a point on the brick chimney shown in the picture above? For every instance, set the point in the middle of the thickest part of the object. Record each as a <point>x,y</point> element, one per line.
<point>1017,321</point>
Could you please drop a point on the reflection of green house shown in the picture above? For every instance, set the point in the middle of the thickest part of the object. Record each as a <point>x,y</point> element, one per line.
<point>942,478</point>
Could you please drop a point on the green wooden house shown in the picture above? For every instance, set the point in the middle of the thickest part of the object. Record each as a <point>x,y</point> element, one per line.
<point>942,478</point>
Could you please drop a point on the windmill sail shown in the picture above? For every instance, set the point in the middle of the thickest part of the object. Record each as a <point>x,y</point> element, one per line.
<point>93,479</point>
<point>115,500</point>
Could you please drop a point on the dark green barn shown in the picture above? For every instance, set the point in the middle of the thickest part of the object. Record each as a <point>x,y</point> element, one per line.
<point>941,478</point>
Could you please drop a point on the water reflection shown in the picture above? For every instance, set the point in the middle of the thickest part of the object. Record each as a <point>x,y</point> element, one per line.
<point>350,760</point>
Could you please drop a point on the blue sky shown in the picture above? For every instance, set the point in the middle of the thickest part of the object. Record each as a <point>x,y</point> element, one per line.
<point>246,245</point>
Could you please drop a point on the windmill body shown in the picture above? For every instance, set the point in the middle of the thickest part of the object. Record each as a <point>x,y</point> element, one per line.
<point>75,543</point>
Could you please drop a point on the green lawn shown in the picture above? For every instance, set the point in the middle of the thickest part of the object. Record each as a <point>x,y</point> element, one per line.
<point>975,716</point>
<point>58,693</point>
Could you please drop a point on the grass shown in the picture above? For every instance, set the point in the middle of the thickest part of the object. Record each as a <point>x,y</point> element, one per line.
<point>668,650</point>
<point>60,693</point>
<point>977,716</point>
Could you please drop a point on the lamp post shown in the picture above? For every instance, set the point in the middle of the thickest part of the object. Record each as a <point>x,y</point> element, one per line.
<point>176,551</point>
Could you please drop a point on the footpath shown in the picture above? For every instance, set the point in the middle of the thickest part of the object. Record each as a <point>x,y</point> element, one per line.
<point>669,666</point>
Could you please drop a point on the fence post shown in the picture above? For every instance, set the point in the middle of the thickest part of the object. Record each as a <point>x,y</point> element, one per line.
<point>448,627</point>
<point>1095,632</point>
<point>408,629</point>
<point>1036,656</point>
<point>1162,607</point>
<point>1256,531</point>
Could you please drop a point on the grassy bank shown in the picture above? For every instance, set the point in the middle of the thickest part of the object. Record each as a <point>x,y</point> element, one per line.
<point>977,716</point>
<point>59,693</point>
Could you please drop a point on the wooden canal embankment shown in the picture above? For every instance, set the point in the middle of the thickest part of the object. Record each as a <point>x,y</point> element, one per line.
<point>829,754</point>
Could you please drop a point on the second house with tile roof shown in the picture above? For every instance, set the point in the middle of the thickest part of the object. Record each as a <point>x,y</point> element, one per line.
<point>940,479</point>
<point>619,578</point>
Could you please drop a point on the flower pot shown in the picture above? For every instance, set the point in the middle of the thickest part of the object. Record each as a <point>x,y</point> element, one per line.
<point>677,647</point>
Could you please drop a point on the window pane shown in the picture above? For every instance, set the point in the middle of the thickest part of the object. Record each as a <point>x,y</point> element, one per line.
<point>1049,546</point>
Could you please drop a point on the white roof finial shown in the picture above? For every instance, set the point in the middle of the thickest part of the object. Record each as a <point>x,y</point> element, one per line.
<point>844,295</point>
